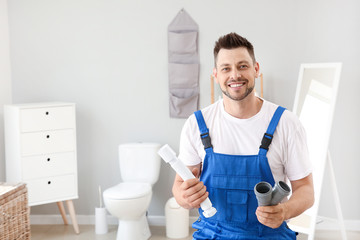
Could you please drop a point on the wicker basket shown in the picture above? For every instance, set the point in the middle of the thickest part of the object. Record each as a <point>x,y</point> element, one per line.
<point>14,212</point>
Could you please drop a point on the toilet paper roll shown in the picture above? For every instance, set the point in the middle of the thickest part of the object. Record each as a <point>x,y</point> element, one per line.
<point>101,226</point>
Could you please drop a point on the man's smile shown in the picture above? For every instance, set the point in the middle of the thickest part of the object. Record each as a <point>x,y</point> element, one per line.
<point>236,84</point>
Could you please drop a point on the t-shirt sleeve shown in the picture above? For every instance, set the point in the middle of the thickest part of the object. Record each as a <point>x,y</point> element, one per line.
<point>298,164</point>
<point>188,149</point>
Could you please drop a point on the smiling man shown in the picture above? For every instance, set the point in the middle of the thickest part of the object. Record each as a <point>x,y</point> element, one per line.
<point>237,142</point>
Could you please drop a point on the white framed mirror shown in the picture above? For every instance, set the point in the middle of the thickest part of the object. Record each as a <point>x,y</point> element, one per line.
<point>314,104</point>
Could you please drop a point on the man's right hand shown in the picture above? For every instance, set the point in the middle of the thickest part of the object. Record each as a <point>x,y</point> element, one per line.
<point>190,193</point>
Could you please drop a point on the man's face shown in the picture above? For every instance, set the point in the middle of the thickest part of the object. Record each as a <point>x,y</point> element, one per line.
<point>235,72</point>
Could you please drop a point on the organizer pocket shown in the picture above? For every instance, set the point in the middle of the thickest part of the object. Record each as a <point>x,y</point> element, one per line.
<point>183,102</point>
<point>182,42</point>
<point>183,75</point>
<point>186,58</point>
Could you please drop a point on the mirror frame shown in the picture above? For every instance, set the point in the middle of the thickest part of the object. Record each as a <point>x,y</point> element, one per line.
<point>306,222</point>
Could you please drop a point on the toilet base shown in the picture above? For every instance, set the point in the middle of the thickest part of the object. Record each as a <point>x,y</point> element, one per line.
<point>134,229</point>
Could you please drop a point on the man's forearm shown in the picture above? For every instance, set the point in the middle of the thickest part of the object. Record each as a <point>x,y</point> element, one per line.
<point>301,199</point>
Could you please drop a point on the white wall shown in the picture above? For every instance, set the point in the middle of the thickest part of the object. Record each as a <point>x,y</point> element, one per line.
<point>5,78</point>
<point>110,58</point>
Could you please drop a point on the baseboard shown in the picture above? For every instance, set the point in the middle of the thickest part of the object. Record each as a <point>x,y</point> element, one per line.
<point>325,223</point>
<point>57,219</point>
<point>90,220</point>
<point>160,220</point>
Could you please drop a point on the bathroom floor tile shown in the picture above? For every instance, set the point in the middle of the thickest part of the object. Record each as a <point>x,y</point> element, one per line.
<point>87,232</point>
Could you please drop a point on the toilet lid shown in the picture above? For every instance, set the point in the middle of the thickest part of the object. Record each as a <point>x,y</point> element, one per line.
<point>128,190</point>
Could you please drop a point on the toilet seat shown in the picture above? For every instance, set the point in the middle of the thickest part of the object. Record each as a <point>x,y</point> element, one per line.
<point>128,190</point>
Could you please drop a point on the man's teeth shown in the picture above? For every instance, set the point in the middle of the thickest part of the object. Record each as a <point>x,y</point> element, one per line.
<point>236,84</point>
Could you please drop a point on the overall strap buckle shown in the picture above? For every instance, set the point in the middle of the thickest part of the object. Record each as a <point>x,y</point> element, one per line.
<point>204,131</point>
<point>206,140</point>
<point>266,141</point>
<point>268,136</point>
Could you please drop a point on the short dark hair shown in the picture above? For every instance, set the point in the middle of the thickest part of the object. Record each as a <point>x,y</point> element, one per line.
<point>230,41</point>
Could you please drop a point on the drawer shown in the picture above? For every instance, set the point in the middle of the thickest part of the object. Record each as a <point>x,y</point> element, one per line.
<point>47,118</point>
<point>48,165</point>
<point>51,189</point>
<point>39,143</point>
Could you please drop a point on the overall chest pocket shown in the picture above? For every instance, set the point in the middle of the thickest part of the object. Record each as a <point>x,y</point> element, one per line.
<point>236,196</point>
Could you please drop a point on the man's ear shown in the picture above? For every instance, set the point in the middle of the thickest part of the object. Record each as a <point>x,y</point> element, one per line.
<point>215,74</point>
<point>257,69</point>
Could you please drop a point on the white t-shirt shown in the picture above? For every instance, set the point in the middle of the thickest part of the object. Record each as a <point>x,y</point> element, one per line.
<point>288,153</point>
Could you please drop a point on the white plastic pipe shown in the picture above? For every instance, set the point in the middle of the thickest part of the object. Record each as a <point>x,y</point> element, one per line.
<point>169,156</point>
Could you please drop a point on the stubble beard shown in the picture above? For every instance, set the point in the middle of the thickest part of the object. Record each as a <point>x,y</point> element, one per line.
<point>239,98</point>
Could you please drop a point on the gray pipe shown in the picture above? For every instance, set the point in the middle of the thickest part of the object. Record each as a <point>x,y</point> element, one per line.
<point>281,190</point>
<point>263,192</point>
<point>268,196</point>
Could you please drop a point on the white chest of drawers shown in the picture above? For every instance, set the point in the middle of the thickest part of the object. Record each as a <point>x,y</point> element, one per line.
<point>40,150</point>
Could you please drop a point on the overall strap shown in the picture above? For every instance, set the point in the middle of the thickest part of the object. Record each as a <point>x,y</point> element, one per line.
<point>268,136</point>
<point>204,131</point>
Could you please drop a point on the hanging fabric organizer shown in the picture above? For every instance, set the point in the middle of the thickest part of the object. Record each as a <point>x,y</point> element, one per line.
<point>183,65</point>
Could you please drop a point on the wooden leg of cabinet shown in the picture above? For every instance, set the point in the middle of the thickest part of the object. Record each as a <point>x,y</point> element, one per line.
<point>62,212</point>
<point>70,206</point>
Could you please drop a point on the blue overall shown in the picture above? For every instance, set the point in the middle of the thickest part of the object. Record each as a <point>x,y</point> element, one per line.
<point>230,181</point>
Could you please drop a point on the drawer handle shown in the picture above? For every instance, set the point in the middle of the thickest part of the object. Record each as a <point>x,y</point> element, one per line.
<point>49,182</point>
<point>47,136</point>
<point>47,113</point>
<point>48,159</point>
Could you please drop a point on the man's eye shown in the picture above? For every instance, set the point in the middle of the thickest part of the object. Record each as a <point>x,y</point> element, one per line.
<point>225,69</point>
<point>242,66</point>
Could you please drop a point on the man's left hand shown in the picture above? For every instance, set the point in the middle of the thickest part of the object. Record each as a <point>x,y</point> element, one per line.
<point>271,216</point>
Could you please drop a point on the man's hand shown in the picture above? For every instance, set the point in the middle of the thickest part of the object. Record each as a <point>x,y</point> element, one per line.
<point>272,216</point>
<point>302,198</point>
<point>189,194</point>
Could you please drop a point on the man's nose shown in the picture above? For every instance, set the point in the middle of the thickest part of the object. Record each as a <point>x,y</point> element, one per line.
<point>235,74</point>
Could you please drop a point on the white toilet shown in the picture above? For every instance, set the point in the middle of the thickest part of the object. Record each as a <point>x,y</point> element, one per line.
<point>130,199</point>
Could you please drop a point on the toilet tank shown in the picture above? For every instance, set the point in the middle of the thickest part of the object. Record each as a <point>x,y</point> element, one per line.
<point>139,162</point>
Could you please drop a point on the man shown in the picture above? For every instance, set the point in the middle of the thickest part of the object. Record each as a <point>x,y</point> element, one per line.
<point>234,144</point>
